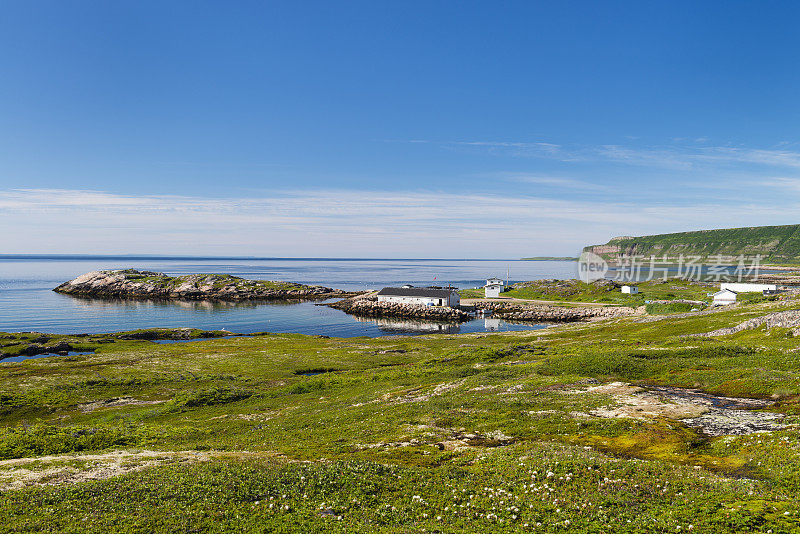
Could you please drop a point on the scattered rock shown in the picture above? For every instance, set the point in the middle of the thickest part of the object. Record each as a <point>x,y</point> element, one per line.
<point>88,407</point>
<point>783,319</point>
<point>549,313</point>
<point>711,414</point>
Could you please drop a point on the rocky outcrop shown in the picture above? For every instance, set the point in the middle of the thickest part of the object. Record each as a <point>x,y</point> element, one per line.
<point>784,319</point>
<point>34,349</point>
<point>130,284</point>
<point>372,308</point>
<point>556,314</point>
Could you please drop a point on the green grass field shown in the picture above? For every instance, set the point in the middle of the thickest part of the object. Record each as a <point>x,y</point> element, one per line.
<point>577,291</point>
<point>441,433</point>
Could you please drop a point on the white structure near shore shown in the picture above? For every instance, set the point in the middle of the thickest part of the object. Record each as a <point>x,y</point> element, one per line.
<point>724,297</point>
<point>740,287</point>
<point>493,288</point>
<point>630,290</point>
<point>420,296</point>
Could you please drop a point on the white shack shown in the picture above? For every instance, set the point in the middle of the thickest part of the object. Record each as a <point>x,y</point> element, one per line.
<point>492,291</point>
<point>420,296</point>
<point>630,290</point>
<point>724,297</point>
<point>493,288</point>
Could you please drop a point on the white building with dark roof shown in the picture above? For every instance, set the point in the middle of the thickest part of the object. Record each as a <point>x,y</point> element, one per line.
<point>724,297</point>
<point>420,296</point>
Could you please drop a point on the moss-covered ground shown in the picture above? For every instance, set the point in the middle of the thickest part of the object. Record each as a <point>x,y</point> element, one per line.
<point>441,433</point>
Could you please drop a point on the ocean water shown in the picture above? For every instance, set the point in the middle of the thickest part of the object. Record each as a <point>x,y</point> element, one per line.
<point>27,302</point>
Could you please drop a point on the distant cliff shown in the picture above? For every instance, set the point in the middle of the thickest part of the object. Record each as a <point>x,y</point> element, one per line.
<point>130,283</point>
<point>775,244</point>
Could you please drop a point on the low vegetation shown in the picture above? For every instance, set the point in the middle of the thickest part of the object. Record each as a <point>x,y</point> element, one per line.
<point>446,433</point>
<point>604,291</point>
<point>775,244</point>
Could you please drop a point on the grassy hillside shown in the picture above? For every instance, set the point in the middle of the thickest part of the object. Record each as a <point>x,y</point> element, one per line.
<point>442,433</point>
<point>776,244</point>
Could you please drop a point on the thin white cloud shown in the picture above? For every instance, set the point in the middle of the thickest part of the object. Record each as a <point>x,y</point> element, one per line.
<point>771,158</point>
<point>349,222</point>
<point>686,157</point>
<point>553,181</point>
<point>662,158</point>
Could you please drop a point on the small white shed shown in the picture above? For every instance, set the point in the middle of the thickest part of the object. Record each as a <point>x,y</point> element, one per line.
<point>492,291</point>
<point>724,297</point>
<point>630,290</point>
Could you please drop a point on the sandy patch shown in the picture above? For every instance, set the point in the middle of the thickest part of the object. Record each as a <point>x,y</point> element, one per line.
<point>636,403</point>
<point>88,407</point>
<point>72,468</point>
<point>714,415</point>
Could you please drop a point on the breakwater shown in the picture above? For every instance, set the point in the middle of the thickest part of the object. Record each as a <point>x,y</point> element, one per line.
<point>370,307</point>
<point>366,307</point>
<point>550,313</point>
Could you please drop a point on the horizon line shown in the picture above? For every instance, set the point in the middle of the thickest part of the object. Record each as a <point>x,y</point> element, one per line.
<point>209,257</point>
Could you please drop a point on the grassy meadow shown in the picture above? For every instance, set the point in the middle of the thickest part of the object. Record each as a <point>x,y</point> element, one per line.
<point>576,291</point>
<point>439,433</point>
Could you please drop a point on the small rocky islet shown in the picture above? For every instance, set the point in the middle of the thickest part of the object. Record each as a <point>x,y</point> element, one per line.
<point>135,284</point>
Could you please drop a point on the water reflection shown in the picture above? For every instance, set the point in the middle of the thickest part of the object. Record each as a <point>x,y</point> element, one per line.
<point>410,326</point>
<point>190,305</point>
<point>491,324</point>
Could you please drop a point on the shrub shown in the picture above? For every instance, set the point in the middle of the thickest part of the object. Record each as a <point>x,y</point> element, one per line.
<point>209,397</point>
<point>661,308</point>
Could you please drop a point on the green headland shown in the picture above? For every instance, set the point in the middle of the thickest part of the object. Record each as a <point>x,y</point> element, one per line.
<point>775,244</point>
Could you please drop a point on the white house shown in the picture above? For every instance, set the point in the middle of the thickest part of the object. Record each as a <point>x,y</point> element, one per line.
<point>724,297</point>
<point>748,288</point>
<point>631,290</point>
<point>421,296</point>
<point>493,288</point>
<point>492,291</point>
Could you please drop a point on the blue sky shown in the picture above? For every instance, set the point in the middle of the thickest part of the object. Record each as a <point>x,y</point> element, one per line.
<point>377,129</point>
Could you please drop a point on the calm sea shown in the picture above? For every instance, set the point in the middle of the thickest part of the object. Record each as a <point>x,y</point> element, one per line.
<point>27,301</point>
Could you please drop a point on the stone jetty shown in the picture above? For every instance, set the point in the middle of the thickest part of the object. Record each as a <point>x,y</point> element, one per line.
<point>555,314</point>
<point>370,307</point>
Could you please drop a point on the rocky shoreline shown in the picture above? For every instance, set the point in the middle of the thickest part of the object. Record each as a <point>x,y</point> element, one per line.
<point>366,307</point>
<point>554,314</point>
<point>370,307</point>
<point>133,284</point>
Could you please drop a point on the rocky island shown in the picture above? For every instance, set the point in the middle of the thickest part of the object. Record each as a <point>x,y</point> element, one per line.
<point>134,284</point>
